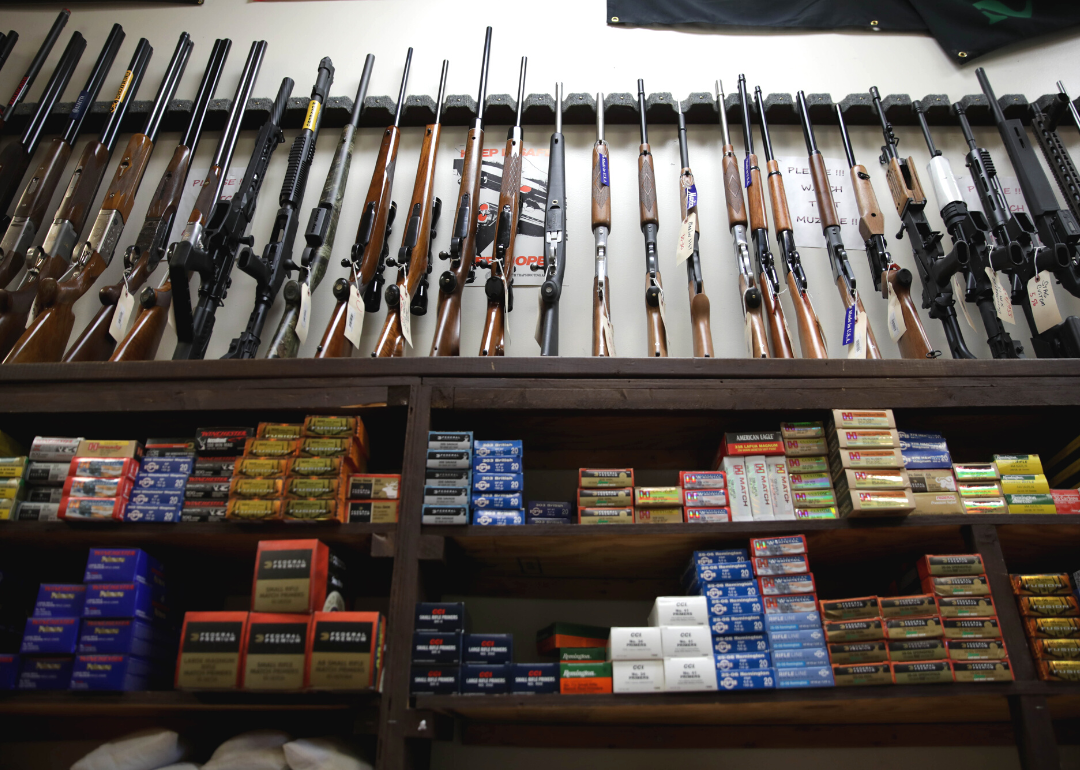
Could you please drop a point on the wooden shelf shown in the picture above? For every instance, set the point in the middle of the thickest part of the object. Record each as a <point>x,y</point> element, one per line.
<point>142,704</point>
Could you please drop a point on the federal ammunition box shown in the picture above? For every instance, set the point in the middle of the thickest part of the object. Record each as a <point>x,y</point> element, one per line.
<point>534,678</point>
<point>161,482</point>
<point>637,676</point>
<point>438,514</point>
<point>605,515</point>
<point>701,480</point>
<point>90,486</point>
<point>1049,670</point>
<point>322,467</point>
<point>802,482</point>
<point>1041,585</point>
<point>440,617</point>
<point>910,650</point>
<point>313,510</point>
<point>279,431</point>
<point>922,672</point>
<point>814,498</point>
<point>938,503</point>
<point>726,606</point>
<point>908,606</point>
<point>255,510</point>
<point>294,576</point>
<point>829,512</point>
<point>781,565</point>
<point>690,674</point>
<point>499,501</point>
<point>498,448</point>
<point>434,680</point>
<point>807,464</point>
<point>864,608</point>
<point>487,648</point>
<point>91,508</point>
<point>221,442</point>
<point>976,472</point>
<point>870,630</point>
<point>802,430</point>
<point>437,648</point>
<point>657,497</point>
<point>57,600</point>
<point>51,636</point>
<point>855,480</point>
<point>736,624</point>
<point>636,643</point>
<point>985,505</point>
<point>348,449</point>
<point>104,467</point>
<point>485,679</point>
<point>913,628</point>
<point>275,646</point>
<point>863,438</point>
<point>797,640</point>
<point>260,467</point>
<point>1051,628</point>
<point>720,573</point>
<point>54,450</point>
<point>581,654</point>
<point>679,611</point>
<point>726,645</point>
<point>560,635</point>
<point>1031,503</point>
<point>255,489</point>
<point>745,444</point>
<point>1048,606</point>
<point>1018,464</point>
<point>658,515</point>
<point>211,651</point>
<point>499,482</point>
<point>454,441</point>
<point>976,489</point>
<point>707,515</point>
<point>805,447</point>
<point>584,678</point>
<point>972,628</point>
<point>915,439</point>
<point>864,459</point>
<point>446,496</point>
<point>1027,484</point>
<point>497,464</point>
<point>862,418</point>
<point>743,661</point>
<point>809,657</point>
<point>786,584</point>
<point>965,606</point>
<point>47,474</point>
<point>605,498</point>
<point>204,510</point>
<point>1055,649</point>
<point>879,502</point>
<point>862,674</point>
<point>982,671</point>
<point>448,477</point>
<point>750,679</point>
<point>448,459</point>
<point>685,641</point>
<point>785,545</point>
<point>498,518</point>
<point>337,427</point>
<point>48,673</point>
<point>592,478</point>
<point>975,649</point>
<point>931,480</point>
<point>960,585</point>
<point>792,621</point>
<point>704,498</point>
<point>45,495</point>
<point>344,650</point>
<point>299,488</point>
<point>962,564</point>
<point>1066,500</point>
<point>208,488</point>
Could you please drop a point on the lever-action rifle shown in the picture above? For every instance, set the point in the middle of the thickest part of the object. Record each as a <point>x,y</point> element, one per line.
<point>499,287</point>
<point>603,332</point>
<point>699,303</point>
<point>32,72</point>
<point>408,295</point>
<point>554,259</point>
<point>968,232</point>
<point>320,235</point>
<point>1045,125</point>
<point>830,226</point>
<point>97,341</point>
<point>655,310</point>
<point>447,339</point>
<point>889,278</point>
<point>226,234</point>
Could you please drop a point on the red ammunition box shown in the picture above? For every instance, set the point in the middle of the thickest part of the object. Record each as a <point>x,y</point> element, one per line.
<point>745,444</point>
<point>91,508</point>
<point>275,651</point>
<point>104,467</point>
<point>211,651</point>
<point>1041,585</point>
<point>293,576</point>
<point>962,564</point>
<point>344,650</point>
<point>1052,628</point>
<point>115,449</point>
<point>1066,500</point>
<point>92,486</point>
<point>1048,606</point>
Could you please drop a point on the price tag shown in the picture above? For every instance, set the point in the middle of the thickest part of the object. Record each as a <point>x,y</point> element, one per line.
<point>691,196</point>
<point>1002,303</point>
<point>897,326</point>
<point>746,171</point>
<point>849,325</point>
<point>405,313</point>
<point>858,347</point>
<point>686,238</point>
<point>303,320</point>
<point>1044,308</point>
<point>748,335</point>
<point>958,295</point>
<point>122,314</point>
<point>605,176</point>
<point>354,316</point>
<point>609,335</point>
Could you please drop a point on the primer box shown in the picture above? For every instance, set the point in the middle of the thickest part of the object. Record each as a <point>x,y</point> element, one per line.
<point>793,621</point>
<point>434,680</point>
<point>436,648</point>
<point>1021,464</point>
<point>637,676</point>
<point>534,678</point>
<point>444,514</point>
<point>374,486</point>
<point>54,450</point>
<point>345,650</point>
<point>757,478</point>
<point>487,648</point>
<point>685,641</point>
<point>736,643</point>
<point>745,444</point>
<point>801,658</point>
<point>497,449</point>
<point>372,511</point>
<point>274,652</point>
<point>160,482</point>
<point>498,482</point>
<point>793,678</point>
<point>294,576</point>
<point>434,477</point>
<point>440,617</point>
<point>174,466</point>
<point>485,679</point>
<point>453,496</point>
<point>785,545</point>
<point>724,606</point>
<point>707,515</point>
<point>593,478</point>
<point>807,464</point>
<point>52,673</point>
<point>932,480</point>
<point>859,652</point>
<point>747,679</point>
<point>50,636</point>
<point>690,674</point>
<point>58,600</point>
<point>123,600</point>
<point>965,606</point>
<point>736,624</point>
<point>938,503</point>
<point>805,447</point>
<point>923,672</point>
<point>452,440</point>
<point>702,480</point>
<point>496,465</point>
<point>1065,500</point>
<point>211,651</point>
<point>123,565</point>
<point>122,636</point>
<point>9,671</point>
<point>780,488</point>
<point>907,651</point>
<point>786,584</point>
<point>605,515</point>
<point>498,518</point>
<point>679,611</point>
<point>802,430</point>
<point>444,459</point>
<point>498,501</point>
<point>862,674</point>
<point>585,678</point>
<point>742,661</point>
<point>636,643</point>
<point>738,489</point>
<point>862,418</point>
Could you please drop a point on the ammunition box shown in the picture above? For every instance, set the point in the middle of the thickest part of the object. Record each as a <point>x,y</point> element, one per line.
<point>864,459</point>
<point>863,438</point>
<point>862,674</point>
<point>971,628</point>
<point>584,678</point>
<point>90,486</point>
<point>813,498</point>
<point>499,482</point>
<point>908,606</point>
<point>704,574</point>
<point>725,645</point>
<point>637,643</point>
<point>323,467</point>
<point>344,650</point>
<point>1054,670</point>
<point>1026,484</point>
<point>434,514</point>
<point>495,464</point>
<point>745,661</point>
<point>434,680</point>
<point>976,489</point>
<point>1041,585</point>
<point>1055,649</point>
<point>913,439</point>
<point>657,497</point>
<point>446,496</point>
<point>454,441</point>
<point>207,488</point>
<point>54,450</point>
<point>800,658</point>
<point>1031,503</point>
<point>1052,628</point>
<point>169,447</point>
<point>805,447</point>
<point>581,654</point>
<point>7,464</point>
<point>802,430</point>
<point>862,418</point>
<point>913,628</point>
<point>274,652</point>
<point>294,576</point>
<point>440,617</point>
<point>725,556</point>
<point>211,651</point>
<point>926,459</point>
<point>605,515</point>
<point>313,510</point>
<point>685,641</point>
<point>221,442</point>
<point>724,625</point>
<point>1048,606</point>
<point>91,508</point>
<point>104,467</point>
<point>938,503</point>
<point>797,640</point>
<point>204,510</point>
<point>279,431</point>
<point>1018,464</point>
<point>807,464</point>
<point>803,482</point>
<point>960,585</point>
<point>744,588</point>
<point>498,518</point>
<point>883,502</point>
<point>865,608</point>
<point>593,478</point>
<point>44,495</point>
<point>174,483</point>
<point>215,466</point>
<point>606,498</point>
<point>965,606</point>
<point>707,515</point>
<point>785,545</point>
<point>975,649</point>
<point>335,427</point>
<point>704,498</point>
<point>698,480</point>
<point>459,477</point>
<point>982,671</point>
<point>985,505</point>
<point>505,501</point>
<point>726,606</point>
<point>563,635</point>
<point>781,565</point>
<point>299,488</point>
<point>976,472</point>
<point>346,448</point>
<point>547,509</point>
<point>751,679</point>
<point>922,672</point>
<point>916,649</point>
<point>437,648</point>
<point>854,480</point>
<point>658,515</point>
<point>255,489</point>
<point>962,564</point>
<point>254,510</point>
<point>485,679</point>
<point>745,444</point>
<point>829,512</point>
<point>632,676</point>
<point>870,630</point>
<point>791,621</point>
<point>47,474</point>
<point>498,448</point>
<point>109,448</point>
<point>487,648</point>
<point>931,480</point>
<point>792,678</point>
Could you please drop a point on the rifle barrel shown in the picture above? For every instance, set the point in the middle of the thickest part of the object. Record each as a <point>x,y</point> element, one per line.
<point>641,111</point>
<point>169,84</point>
<point>482,96</point>
<point>207,87</point>
<point>361,91</point>
<point>521,91</point>
<point>401,91</point>
<point>35,65</point>
<point>845,138</point>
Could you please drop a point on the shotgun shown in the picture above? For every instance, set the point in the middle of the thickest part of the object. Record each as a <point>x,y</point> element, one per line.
<point>7,45</point>
<point>447,339</point>
<point>99,338</point>
<point>408,296</point>
<point>320,234</point>
<point>144,337</point>
<point>499,287</point>
<point>655,311</point>
<point>554,260</point>
<point>32,71</point>
<point>699,303</point>
<point>603,331</point>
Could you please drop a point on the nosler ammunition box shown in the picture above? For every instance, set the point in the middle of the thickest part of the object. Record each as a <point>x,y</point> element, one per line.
<point>636,676</point>
<point>908,606</point>
<point>657,497</point>
<point>344,650</point>
<point>965,606</point>
<point>1055,649</point>
<point>864,608</point>
<point>976,489</point>
<point>690,674</point>
<point>46,673</point>
<point>606,498</point>
<point>1041,585</point>
<point>454,441</point>
<point>313,510</point>
<point>781,565</point>
<point>862,674</point>
<point>802,430</point>
<point>254,510</point>
<point>862,418</point>
<point>805,447</point>
<point>975,649</point>
<point>221,442</point>
<point>294,576</point>
<point>982,671</point>
<point>909,650</point>
<point>658,515</point>
<point>1026,484</point>
<point>685,641</point>
<point>1018,464</point>
<point>938,503</point>
<point>976,472</point>
<point>971,628</point>
<point>636,643</point>
<point>707,515</point>
<point>913,628</point>
<point>534,678</point>
<point>279,431</point>
<point>560,635</point>
<point>701,480</point>
<point>1052,628</point>
<point>804,482</point>
<point>584,678</point>
<point>485,678</point>
<point>748,679</point>
<point>255,489</point>
<point>48,449</point>
<point>1049,670</point>
<point>961,564</point>
<point>878,502</point>
<point>932,480</point>
<point>434,680</point>
<point>863,438</point>
<point>704,498</point>
<point>1048,606</point>
<point>211,651</point>
<point>274,650</point>
<point>807,464</point>
<point>922,672</point>
<point>299,488</point>
<point>958,585</point>
<point>1031,503</point>
<point>785,545</point>
<point>605,515</point>
<point>744,444</point>
<point>727,645</point>
<point>593,478</point>
<point>870,630</point>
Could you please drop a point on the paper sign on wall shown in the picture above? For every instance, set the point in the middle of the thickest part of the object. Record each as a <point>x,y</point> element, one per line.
<point>802,202</point>
<point>194,187</point>
<point>1014,196</point>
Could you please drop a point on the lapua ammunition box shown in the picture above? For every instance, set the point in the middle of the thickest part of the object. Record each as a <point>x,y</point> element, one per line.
<point>160,482</point>
<point>437,648</point>
<point>807,464</point>
<point>313,510</point>
<point>215,466</point>
<point>559,635</point>
<point>299,488</point>
<point>864,459</point>
<point>657,497</point>
<point>743,661</point>
<point>863,438</point>
<point>1031,503</point>
<point>986,505</point>
<point>959,585</point>
<point>1055,649</point>
<point>736,624</point>
<point>57,600</point>
<point>908,606</point>
<point>922,672</point>
<point>792,621</point>
<point>803,482</point>
<point>605,498</point>
<point>862,418</point>
<point>546,509</point>
<point>486,518</point>
<point>863,608</point>
<point>908,650</point>
<point>972,628</point>
<point>976,472</point>
<point>260,467</point>
<point>913,628</point>
<point>109,448</point>
<point>442,514</point>
<point>47,474</point>
<point>829,512</point>
<point>796,640</point>
<point>124,636</point>
<point>211,651</point>
<point>372,511</point>
<point>975,649</point>
<point>446,496</point>
<point>797,678</point>
<point>345,650</point>
<point>725,645</point>
<point>54,450</point>
<point>294,576</point>
<point>207,488</point>
<point>274,651</point>
<point>802,430</point>
<point>497,448</point>
<point>50,636</point>
<point>745,444</point>
<point>965,606</point>
<point>1049,670</point>
<point>931,480</point>
<point>104,467</point>
<point>786,584</point>
<point>535,678</point>
<point>605,515</point>
<point>915,439</point>
<point>498,482</point>
<point>169,447</point>
<point>961,564</point>
<point>858,652</point>
<point>439,617</point>
<point>690,674</point>
<point>699,480</point>
<point>496,465</point>
<point>271,449</point>
<point>500,501</point>
<point>118,673</point>
<point>279,431</point>
<point>982,671</point>
<point>733,589</point>
<point>976,489</point>
<point>255,489</point>
<point>221,442</point>
<point>854,630</point>
<point>781,565</point>
<point>581,654</point>
<point>584,678</point>
<point>1041,585</point>
<point>805,447</point>
<point>49,673</point>
<point>91,508</point>
<point>813,498</point>
<point>460,477</point>
<point>450,440</point>
<point>937,503</point>
<point>123,565</point>
<point>862,674</point>
<point>658,515</point>
<point>636,643</point>
<point>801,658</point>
<point>878,502</point>
<point>204,510</point>
<point>1018,464</point>
<point>706,515</point>
<point>1048,606</point>
<point>1027,484</point>
<point>685,641</point>
<point>593,478</point>
<point>637,676</point>
<point>1052,628</point>
<point>679,611</point>
<point>749,679</point>
<point>434,680</point>
<point>255,510</point>
<point>785,545</point>
<point>485,679</point>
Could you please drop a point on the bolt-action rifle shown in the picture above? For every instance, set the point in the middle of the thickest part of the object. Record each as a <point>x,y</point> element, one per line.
<point>554,259</point>
<point>699,303</point>
<point>655,310</point>
<point>603,330</point>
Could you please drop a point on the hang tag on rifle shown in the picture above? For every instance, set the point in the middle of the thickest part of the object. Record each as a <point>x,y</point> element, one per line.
<point>849,325</point>
<point>858,347</point>
<point>405,313</point>
<point>122,314</point>
<point>686,238</point>
<point>354,316</point>
<point>897,325</point>
<point>1002,303</point>
<point>958,295</point>
<point>303,319</point>
<point>1044,308</point>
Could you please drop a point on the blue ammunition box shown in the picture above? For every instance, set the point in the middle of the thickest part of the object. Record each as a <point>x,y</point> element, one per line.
<point>487,648</point>
<point>446,496</point>
<point>725,645</point>
<point>510,501</point>
<point>57,600</point>
<point>728,556</point>
<point>793,621</point>
<point>746,679</point>
<point>45,673</point>
<point>437,648</point>
<point>790,678</point>
<point>735,588</point>
<point>737,624</point>
<point>9,671</point>
<point>743,660</point>
<point>122,637</point>
<point>434,680</point>
<point>141,498</point>
<point>161,482</point>
<point>703,574</point>
<point>498,482</point>
<point>123,565</point>
<point>434,477</point>
<point>174,466</point>
<point>915,439</point>
<point>796,640</point>
<point>449,459</point>
<point>541,509</point>
<point>725,606</point>
<point>497,449</point>
<point>155,513</point>
<point>110,672</point>
<point>498,518</point>
<point>50,636</point>
<point>545,520</point>
<point>926,459</point>
<point>496,465</point>
<point>123,600</point>
<point>440,617</point>
<point>811,656</point>
<point>451,440</point>
<point>485,679</point>
<point>534,678</point>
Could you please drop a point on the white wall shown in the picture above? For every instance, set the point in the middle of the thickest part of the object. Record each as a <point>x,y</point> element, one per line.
<point>566,40</point>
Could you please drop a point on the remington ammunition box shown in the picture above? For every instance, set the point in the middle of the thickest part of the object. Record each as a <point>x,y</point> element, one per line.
<point>982,671</point>
<point>294,576</point>
<point>47,474</point>
<point>657,497</point>
<point>960,585</point>
<point>1048,628</point>
<point>169,447</point>
<point>161,482</point>
<point>255,489</point>
<point>908,606</point>
<point>804,482</point>
<point>910,650</point>
<point>318,488</point>
<point>690,674</point>
<point>485,678</point>
<point>1055,649</point>
<point>54,450</point>
<point>859,652</point>
<point>449,459</point>
<point>781,565</point>
<point>862,674</point>
<point>584,678</point>
<point>437,648</point>
<point>90,486</point>
<point>679,611</point>
<point>496,465</point>
<point>797,640</point>
<point>274,652</point>
<point>123,565</point>
<point>313,510</point>
<point>448,478</point>
<point>726,556</point>
<point>721,573</point>
<point>829,512</point>
<point>801,658</point>
<point>1018,464</point>
<point>52,636</point>
<point>123,637</point>
<point>725,645</point>
<point>1049,670</point>
<point>745,444</point>
<point>863,608</point>
<point>976,472</point>
<point>581,654</point>
<point>685,641</point>
<point>211,651</point>
<point>725,625</point>
<point>637,676</point>
<point>862,418</point>
<point>434,680</point>
<point>699,480</point>
<point>737,588</point>
<point>1029,484</point>
<point>452,441</point>
<point>636,643</point>
<point>204,510</point>
<point>922,672</point>
<point>785,545</point>
<point>1030,503</point>
<point>816,498</point>
<point>802,430</point>
<point>50,673</point>
<point>792,678</point>
<point>458,496</point>
<point>792,621</point>
<point>1041,585</point>
<point>605,498</point>
<point>104,467</point>
<point>932,480</point>
<point>750,679</point>
<point>1047,606</point>
<point>853,480</point>
<point>499,482</point>
<point>707,515</point>
<point>786,584</point>
<point>863,438</point>
<point>344,650</point>
<point>805,447</point>
<point>877,502</point>
<point>497,449</point>
<point>109,448</point>
<point>965,606</point>
<point>543,509</point>
<point>561,635</point>
<point>208,488</point>
<point>914,439</point>
<point>57,600</point>
<point>498,501</point>
<point>972,628</point>
<point>869,630</point>
<point>498,518</point>
<point>534,678</point>
<point>260,467</point>
<point>864,459</point>
<point>279,431</point>
<point>323,467</point>
<point>744,661</point>
<point>661,515</point>
<point>975,649</point>
<point>91,508</point>
<point>963,564</point>
<point>592,478</point>
<point>807,464</point>
<point>222,442</point>
<point>913,628</point>
<point>441,514</point>
<point>987,506</point>
<point>976,489</point>
<point>937,503</point>
<point>255,510</point>
<point>440,617</point>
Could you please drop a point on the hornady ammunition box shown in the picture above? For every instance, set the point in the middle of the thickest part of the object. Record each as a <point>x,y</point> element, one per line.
<point>863,438</point>
<point>92,508</point>
<point>498,518</point>
<point>50,636</point>
<point>9,671</point>
<point>922,672</point>
<point>855,480</point>
<point>560,635</point>
<point>962,564</point>
<point>972,628</point>
<point>1018,464</point>
<point>813,498</point>
<point>862,674</point>
<point>702,480</point>
<point>313,510</point>
<point>274,650</point>
<point>374,486</point>
<point>805,447</point>
<point>104,467</point>
<point>497,448</point>
<point>498,501</point>
<point>256,489</point>
<point>959,585</point>
<point>863,608</point>
<point>738,489</point>
<point>780,488</point>
<point>119,673</point>
<point>757,482</point>
<point>690,674</point>
<point>344,650</point>
<point>496,464</point>
<point>792,621</point>
<point>449,459</point>
<point>605,498</point>
<point>453,441</point>
<point>736,624</point>
<point>807,464</point>
<point>982,671</point>
<point>1048,628</point>
<point>260,467</point>
<point>499,482</point>
<point>437,648</point>
<point>938,503</point>
<point>1040,606</point>
<point>786,584</point>
<point>740,661</point>
<point>802,430</point>
<point>679,611</point>
<point>434,680</point>
<point>584,678</point>
<point>858,652</point>
<point>745,444</point>
<point>1041,585</point>
<point>864,459</point>
<point>160,482</point>
<point>748,679</point>
<point>460,477</point>
<point>781,565</point>
<point>211,651</point>
<point>1030,503</point>
<point>279,431</point>
<point>534,678</point>
<point>592,478</point>
<point>854,630</point>
<point>581,654</point>
<point>444,514</point>
<point>685,641</point>
<point>255,510</point>
<point>221,442</point>
<point>939,480</point>
<point>786,545</point>
<point>446,496</point>
<point>109,448</point>
<point>123,600</point>
<point>123,636</point>
<point>976,472</point>
<point>726,645</point>
<point>207,488</point>
<point>1049,670</point>
<point>804,482</point>
<point>56,600</point>
<point>989,505</point>
<point>1055,649</point>
<point>659,515</point>
<point>908,650</point>
<point>637,676</point>
<point>800,658</point>
<point>828,512</point>
<point>440,617</point>
<point>790,678</point>
<point>974,489</point>
<point>54,450</point>
<point>485,678</point>
<point>123,565</point>
<point>913,628</point>
<point>877,502</point>
<point>605,515</point>
<point>53,673</point>
<point>1029,484</point>
<point>636,643</point>
<point>294,576</point>
<point>965,606</point>
<point>862,418</point>
<point>706,515</point>
<point>657,497</point>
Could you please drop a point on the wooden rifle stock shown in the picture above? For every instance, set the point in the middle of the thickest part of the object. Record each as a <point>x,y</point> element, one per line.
<point>871,221</point>
<point>333,343</point>
<point>913,343</point>
<point>733,185</point>
<point>34,204</point>
<point>601,310</point>
<point>902,194</point>
<point>144,337</point>
<point>657,332</point>
<point>823,191</point>
<point>759,344</point>
<point>771,309</point>
<point>492,340</point>
<point>647,188</point>
<point>379,193</point>
<point>778,195</point>
<point>811,335</point>
<point>872,350</point>
<point>655,324</point>
<point>15,303</point>
<point>699,303</point>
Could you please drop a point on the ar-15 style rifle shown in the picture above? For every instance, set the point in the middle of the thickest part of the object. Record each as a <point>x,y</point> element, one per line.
<point>655,310</point>
<point>554,259</point>
<point>603,330</point>
<point>32,72</point>
<point>699,303</point>
<point>1045,125</point>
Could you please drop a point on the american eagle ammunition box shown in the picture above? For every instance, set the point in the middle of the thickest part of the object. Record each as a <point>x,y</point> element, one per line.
<point>982,671</point>
<point>931,480</point>
<point>657,497</point>
<point>54,450</point>
<point>1049,670</point>
<point>1041,585</point>
<point>323,467</point>
<point>879,502</point>
<point>862,418</point>
<point>593,478</point>
<point>706,515</point>
<point>685,641</point>
<point>582,654</point>
<point>975,649</point>
<point>562,635</point>
<point>485,678</point>
<point>434,680</point>
<point>345,650</point>
<point>870,630</point>
<point>584,678</point>
<point>1031,503</point>
<point>487,648</point>
<point>985,505</point>
<point>690,674</point>
<point>274,652</point>
<point>50,636</point>
<point>279,431</point>
<point>863,438</point>
<point>959,585</point>
<point>605,498</point>
<point>605,516</point>
<point>534,678</point>
<point>802,430</point>
<point>745,444</point>
<point>807,464</point>
<point>781,565</point>
<point>922,672</point>
<point>864,608</point>
<point>498,448</point>
<point>1055,649</point>
<point>294,576</point>
<point>961,564</point>
<point>908,606</point>
<point>255,510</point>
<point>913,628</point>
<point>977,489</point>
<point>910,650</point>
<point>48,673</point>
<point>1026,484</point>
<point>1048,606</point>
<point>854,675</point>
<point>221,442</point>
<point>938,503</point>
<point>976,472</point>
<point>57,600</point>
<point>207,488</point>
<point>658,515</point>
<point>260,467</point>
<point>453,441</point>
<point>785,545</point>
<point>313,510</point>
<point>805,447</point>
<point>726,645</point>
<point>636,643</point>
<point>1052,628</point>
<point>972,628</point>
<point>300,488</point>
<point>1018,464</point>
<point>965,606</point>
<point>803,482</point>
<point>700,480</point>
<point>637,676</point>
<point>211,651</point>
<point>255,489</point>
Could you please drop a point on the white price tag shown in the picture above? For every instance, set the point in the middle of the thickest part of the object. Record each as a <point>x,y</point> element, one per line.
<point>686,238</point>
<point>1044,308</point>
<point>748,335</point>
<point>897,326</point>
<point>609,335</point>
<point>122,314</point>
<point>405,313</point>
<point>354,316</point>
<point>303,320</point>
<point>1002,303</point>
<point>959,292</point>
<point>858,347</point>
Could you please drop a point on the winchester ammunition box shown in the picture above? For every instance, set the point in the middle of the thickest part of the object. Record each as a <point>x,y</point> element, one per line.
<point>685,641</point>
<point>690,674</point>
<point>374,486</point>
<point>260,467</point>
<point>976,472</point>
<point>498,518</point>
<point>222,442</point>
<point>534,678</point>
<point>745,444</point>
<point>700,480</point>
<point>499,501</point>
<point>744,661</point>
<point>211,651</point>
<point>279,431</point>
<point>560,635</point>
<point>962,564</point>
<point>204,510</point>
<point>440,617</point>
<point>208,488</point>
<point>802,482</point>
<point>123,565</point>
<point>605,498</point>
<point>216,466</point>
<point>785,545</point>
<point>976,489</point>
<point>499,482</point>
<point>912,649</point>
<point>749,679</point>
<point>864,608</point>
<point>959,585</point>
<point>796,640</point>
<point>986,506</point>
<point>849,653</point>
<point>313,510</point>
<point>863,438</point>
<point>49,673</point>
<point>1049,670</point>
<point>373,511</point>
<point>975,649</point>
<point>124,636</point>
<point>915,439</point>
<point>274,650</point>
<point>255,510</point>
<point>498,448</point>
<point>657,497</point>
<point>173,483</point>
<point>497,464</point>
<point>913,628</point>
<point>862,674</point>
<point>592,478</point>
<point>792,621</point>
<point>1055,649</point>
<point>169,447</point>
<point>781,565</point>
<point>636,643</point>
<point>965,606</point>
<point>660,515</point>
<point>52,636</point>
<point>679,611</point>
<point>434,680</point>
<point>1041,585</point>
<point>458,496</point>
<point>786,584</point>
<point>862,418</point>
<point>451,441</point>
<point>879,502</point>
<point>441,514</point>
<point>56,600</point>
<point>922,672</point>
<point>54,450</point>
<point>726,645</point>
<point>982,671</point>
<point>937,503</point>
<point>1031,503</point>
<point>724,625</point>
<point>449,459</point>
<point>605,516</point>
<point>584,678</point>
<point>255,489</point>
<point>932,480</point>
<point>805,447</point>
<point>344,650</point>
<point>706,515</point>
<point>908,606</point>
<point>802,430</point>
<point>807,464</point>
<point>870,630</point>
<point>1027,484</point>
<point>485,678</point>
<point>1050,628</point>
<point>1018,464</point>
<point>802,658</point>
<point>294,576</point>
<point>1048,606</point>
<point>637,676</point>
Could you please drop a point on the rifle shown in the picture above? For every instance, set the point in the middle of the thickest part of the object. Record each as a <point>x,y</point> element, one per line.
<point>226,233</point>
<point>372,245</point>
<point>47,336</point>
<point>830,226</point>
<point>889,278</point>
<point>1045,125</point>
<point>447,338</point>
<point>319,236</point>
<point>554,258</point>
<point>499,287</point>
<point>603,331</point>
<point>1016,252</point>
<point>699,303</point>
<point>144,336</point>
<point>32,71</point>
<point>935,269</point>
<point>968,232</point>
<point>408,295</point>
<point>36,196</point>
<point>767,279</point>
<point>276,263</point>
<point>98,339</point>
<point>655,311</point>
<point>1054,224</point>
<point>7,45</point>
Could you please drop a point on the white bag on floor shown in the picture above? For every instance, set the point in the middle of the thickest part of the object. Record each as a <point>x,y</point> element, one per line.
<point>144,750</point>
<point>257,750</point>
<point>323,754</point>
